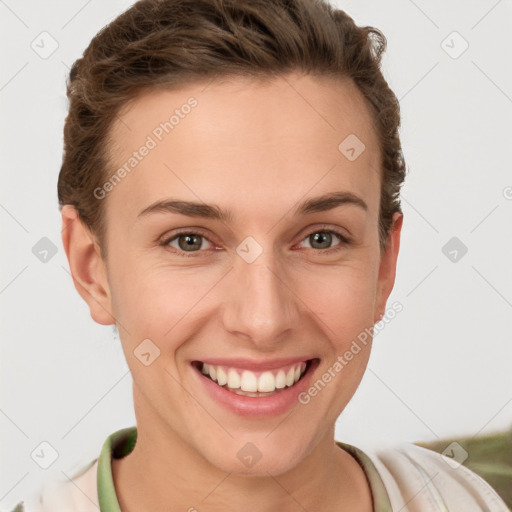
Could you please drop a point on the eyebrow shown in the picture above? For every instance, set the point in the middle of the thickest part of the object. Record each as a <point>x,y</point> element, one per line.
<point>210,211</point>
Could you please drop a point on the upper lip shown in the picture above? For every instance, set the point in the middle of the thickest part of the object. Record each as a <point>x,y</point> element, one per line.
<point>255,365</point>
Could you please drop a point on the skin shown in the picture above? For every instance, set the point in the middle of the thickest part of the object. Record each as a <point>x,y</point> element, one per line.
<point>257,149</point>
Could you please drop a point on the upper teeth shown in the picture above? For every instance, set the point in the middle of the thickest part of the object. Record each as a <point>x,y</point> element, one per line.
<point>246,380</point>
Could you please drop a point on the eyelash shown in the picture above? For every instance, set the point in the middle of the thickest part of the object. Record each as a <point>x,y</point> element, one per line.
<point>345,241</point>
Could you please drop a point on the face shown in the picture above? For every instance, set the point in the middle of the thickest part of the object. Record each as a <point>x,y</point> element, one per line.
<point>267,276</point>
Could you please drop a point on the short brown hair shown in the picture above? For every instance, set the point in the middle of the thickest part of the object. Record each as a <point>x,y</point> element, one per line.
<point>172,43</point>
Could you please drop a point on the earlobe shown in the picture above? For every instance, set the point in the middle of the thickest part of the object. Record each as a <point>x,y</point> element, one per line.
<point>87,268</point>
<point>387,268</point>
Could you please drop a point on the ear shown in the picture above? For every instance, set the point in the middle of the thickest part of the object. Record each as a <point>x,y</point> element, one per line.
<point>387,268</point>
<point>88,269</point>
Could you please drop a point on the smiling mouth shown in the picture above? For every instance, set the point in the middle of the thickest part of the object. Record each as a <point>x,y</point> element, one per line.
<point>255,384</point>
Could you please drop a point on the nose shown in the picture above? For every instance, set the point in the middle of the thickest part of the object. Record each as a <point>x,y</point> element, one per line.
<point>261,305</point>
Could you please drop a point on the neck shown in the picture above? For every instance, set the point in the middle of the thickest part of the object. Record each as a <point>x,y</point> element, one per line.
<point>162,472</point>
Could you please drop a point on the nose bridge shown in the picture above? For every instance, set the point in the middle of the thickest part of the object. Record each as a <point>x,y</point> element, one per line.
<point>262,306</point>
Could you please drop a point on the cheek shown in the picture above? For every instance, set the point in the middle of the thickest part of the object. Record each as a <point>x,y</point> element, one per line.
<point>341,297</point>
<point>156,303</point>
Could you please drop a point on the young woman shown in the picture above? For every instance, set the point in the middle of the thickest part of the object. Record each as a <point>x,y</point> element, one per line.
<point>230,202</point>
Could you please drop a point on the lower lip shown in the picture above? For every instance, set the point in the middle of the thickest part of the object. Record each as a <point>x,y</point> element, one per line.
<point>257,407</point>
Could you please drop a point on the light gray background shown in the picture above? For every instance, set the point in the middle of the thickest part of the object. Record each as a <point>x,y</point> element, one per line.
<point>440,368</point>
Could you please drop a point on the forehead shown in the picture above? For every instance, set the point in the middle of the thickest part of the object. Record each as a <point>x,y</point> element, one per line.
<point>248,142</point>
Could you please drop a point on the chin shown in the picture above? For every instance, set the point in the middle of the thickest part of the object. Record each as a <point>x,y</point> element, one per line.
<point>258,458</point>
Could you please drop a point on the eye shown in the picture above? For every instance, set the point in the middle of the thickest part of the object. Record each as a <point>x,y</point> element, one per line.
<point>187,241</point>
<point>323,238</point>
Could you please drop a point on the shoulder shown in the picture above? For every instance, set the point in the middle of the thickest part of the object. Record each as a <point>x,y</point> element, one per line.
<point>417,478</point>
<point>78,494</point>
